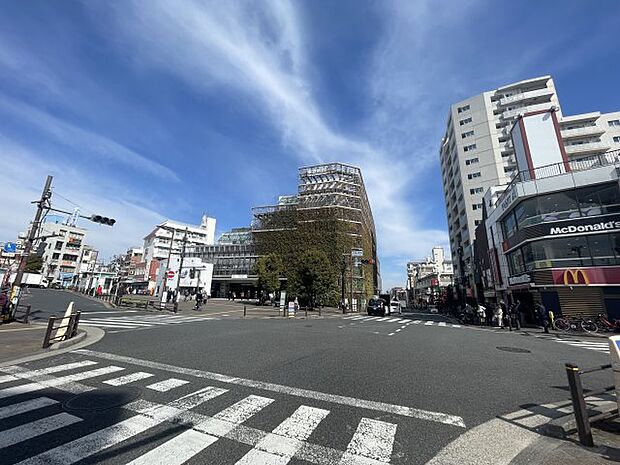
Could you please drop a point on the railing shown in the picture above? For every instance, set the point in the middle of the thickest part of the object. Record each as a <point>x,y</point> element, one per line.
<point>555,169</point>
<point>21,313</point>
<point>71,329</point>
<point>582,419</point>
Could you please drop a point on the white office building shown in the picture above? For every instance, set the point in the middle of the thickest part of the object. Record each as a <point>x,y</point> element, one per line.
<point>169,238</point>
<point>426,278</point>
<point>476,150</point>
<point>61,253</point>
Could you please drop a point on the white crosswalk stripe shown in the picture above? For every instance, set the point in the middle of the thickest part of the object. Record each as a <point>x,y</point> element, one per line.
<point>601,346</point>
<point>36,428</point>
<point>280,446</point>
<point>26,406</point>
<point>139,321</point>
<point>128,378</point>
<point>373,440</point>
<point>167,385</point>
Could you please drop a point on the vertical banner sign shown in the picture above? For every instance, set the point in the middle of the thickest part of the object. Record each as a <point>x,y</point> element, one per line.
<point>282,300</point>
<point>291,309</point>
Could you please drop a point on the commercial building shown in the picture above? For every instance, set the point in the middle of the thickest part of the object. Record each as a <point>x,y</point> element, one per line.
<point>477,152</point>
<point>428,279</point>
<point>553,234</point>
<point>170,238</point>
<point>61,251</point>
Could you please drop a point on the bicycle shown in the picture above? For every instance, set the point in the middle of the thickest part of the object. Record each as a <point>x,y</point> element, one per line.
<point>575,324</point>
<point>607,325</point>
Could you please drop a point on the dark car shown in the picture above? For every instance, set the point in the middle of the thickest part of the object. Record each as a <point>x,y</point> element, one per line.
<point>377,307</point>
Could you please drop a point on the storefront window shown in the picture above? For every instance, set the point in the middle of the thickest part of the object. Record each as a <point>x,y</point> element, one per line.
<point>509,225</point>
<point>558,206</point>
<point>601,249</point>
<point>557,253</point>
<point>515,260</point>
<point>526,213</point>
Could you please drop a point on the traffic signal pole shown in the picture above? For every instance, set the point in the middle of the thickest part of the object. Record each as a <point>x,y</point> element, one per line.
<point>42,203</point>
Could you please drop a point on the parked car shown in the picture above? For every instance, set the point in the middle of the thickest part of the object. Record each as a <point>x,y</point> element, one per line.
<point>377,307</point>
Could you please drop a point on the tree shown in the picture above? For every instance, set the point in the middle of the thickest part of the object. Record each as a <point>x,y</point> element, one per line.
<point>269,269</point>
<point>34,263</point>
<point>312,277</point>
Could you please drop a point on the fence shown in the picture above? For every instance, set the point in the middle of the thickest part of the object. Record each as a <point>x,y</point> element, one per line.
<point>21,314</point>
<point>582,419</point>
<point>71,329</point>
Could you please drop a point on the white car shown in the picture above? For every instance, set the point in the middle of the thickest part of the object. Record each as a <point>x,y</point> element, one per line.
<point>395,307</point>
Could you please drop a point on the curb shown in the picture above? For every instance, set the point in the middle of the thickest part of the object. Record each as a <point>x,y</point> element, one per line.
<point>92,334</point>
<point>81,335</point>
<point>90,297</point>
<point>563,427</point>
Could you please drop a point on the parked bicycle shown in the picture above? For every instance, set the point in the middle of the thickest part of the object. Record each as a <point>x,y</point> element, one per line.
<point>606,325</point>
<point>566,324</point>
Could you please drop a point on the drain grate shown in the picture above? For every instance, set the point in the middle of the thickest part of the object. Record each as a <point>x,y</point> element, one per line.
<point>102,399</point>
<point>516,350</point>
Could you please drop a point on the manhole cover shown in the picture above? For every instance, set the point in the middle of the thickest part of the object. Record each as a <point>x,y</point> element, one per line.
<point>102,399</point>
<point>518,350</point>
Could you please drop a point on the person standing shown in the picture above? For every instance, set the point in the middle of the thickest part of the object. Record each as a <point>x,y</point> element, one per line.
<point>515,316</point>
<point>543,317</point>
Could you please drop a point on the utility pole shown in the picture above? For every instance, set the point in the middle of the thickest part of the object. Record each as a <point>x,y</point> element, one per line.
<point>343,270</point>
<point>351,282</point>
<point>180,270</point>
<point>42,203</point>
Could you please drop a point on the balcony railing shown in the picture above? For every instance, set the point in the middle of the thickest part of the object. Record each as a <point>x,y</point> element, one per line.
<point>587,147</point>
<point>582,132</point>
<point>557,169</point>
<point>525,95</point>
<point>528,109</point>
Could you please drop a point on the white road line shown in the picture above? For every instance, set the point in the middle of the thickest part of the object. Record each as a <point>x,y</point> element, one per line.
<point>36,428</point>
<point>391,334</point>
<point>189,443</point>
<point>37,386</point>
<point>26,406</point>
<point>167,385</point>
<point>394,320</point>
<point>111,321</point>
<point>429,323</point>
<point>288,390</point>
<point>383,319</point>
<point>456,326</point>
<point>398,330</point>
<point>65,367</point>
<point>441,323</point>
<point>110,311</point>
<point>373,440</point>
<point>128,378</point>
<point>417,322</point>
<point>7,379</point>
<point>105,438</point>
<point>280,446</point>
<point>106,325</point>
<point>404,320</point>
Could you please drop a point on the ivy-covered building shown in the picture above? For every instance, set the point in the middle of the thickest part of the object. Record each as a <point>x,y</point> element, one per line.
<point>330,213</point>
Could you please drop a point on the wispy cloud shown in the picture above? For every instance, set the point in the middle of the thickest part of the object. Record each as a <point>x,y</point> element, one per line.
<point>87,143</point>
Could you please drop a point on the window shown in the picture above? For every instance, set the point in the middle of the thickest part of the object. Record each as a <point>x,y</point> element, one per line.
<point>471,161</point>
<point>473,175</point>
<point>477,222</point>
<point>476,206</point>
<point>509,225</point>
<point>613,122</point>
<point>516,263</point>
<point>617,139</point>
<point>58,245</point>
<point>55,256</point>
<point>602,250</point>
<point>558,206</point>
<point>463,108</point>
<point>465,121</point>
<point>598,200</point>
<point>469,148</point>
<point>465,135</point>
<point>558,252</point>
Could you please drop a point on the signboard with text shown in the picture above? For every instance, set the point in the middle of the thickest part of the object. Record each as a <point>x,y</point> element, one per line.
<point>586,276</point>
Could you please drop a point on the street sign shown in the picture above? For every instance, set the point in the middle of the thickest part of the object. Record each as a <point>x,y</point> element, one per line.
<point>291,309</point>
<point>170,274</point>
<point>357,253</point>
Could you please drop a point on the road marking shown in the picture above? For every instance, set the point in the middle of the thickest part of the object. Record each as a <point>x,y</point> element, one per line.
<point>428,323</point>
<point>167,385</point>
<point>109,321</point>
<point>37,386</point>
<point>36,428</point>
<point>399,330</point>
<point>391,334</point>
<point>383,319</point>
<point>456,326</point>
<point>7,378</point>
<point>394,320</point>
<point>105,325</point>
<point>128,378</point>
<point>189,443</point>
<point>417,322</point>
<point>280,446</point>
<point>373,440</point>
<point>289,390</point>
<point>404,320</point>
<point>110,311</point>
<point>26,406</point>
<point>441,323</point>
<point>65,367</point>
<point>105,438</point>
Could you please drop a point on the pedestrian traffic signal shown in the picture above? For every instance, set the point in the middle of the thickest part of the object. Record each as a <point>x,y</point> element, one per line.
<point>192,273</point>
<point>368,261</point>
<point>102,220</point>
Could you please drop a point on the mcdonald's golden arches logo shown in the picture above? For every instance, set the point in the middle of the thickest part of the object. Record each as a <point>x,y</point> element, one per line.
<point>577,276</point>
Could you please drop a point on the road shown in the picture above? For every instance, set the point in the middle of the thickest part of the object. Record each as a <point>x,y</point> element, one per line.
<point>212,387</point>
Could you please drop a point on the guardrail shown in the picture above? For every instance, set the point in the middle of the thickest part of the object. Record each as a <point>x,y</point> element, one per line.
<point>21,313</point>
<point>71,329</point>
<point>582,419</point>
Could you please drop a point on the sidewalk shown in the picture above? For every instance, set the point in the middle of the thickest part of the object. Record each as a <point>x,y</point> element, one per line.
<point>18,340</point>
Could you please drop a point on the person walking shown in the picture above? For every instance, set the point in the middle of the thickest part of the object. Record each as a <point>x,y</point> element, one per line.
<point>498,314</point>
<point>543,316</point>
<point>515,317</point>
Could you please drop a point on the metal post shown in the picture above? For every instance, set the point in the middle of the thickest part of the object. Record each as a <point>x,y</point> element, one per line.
<point>48,332</point>
<point>244,311</point>
<point>306,308</point>
<point>32,233</point>
<point>76,322</point>
<point>343,270</point>
<point>579,405</point>
<point>27,315</point>
<point>319,310</point>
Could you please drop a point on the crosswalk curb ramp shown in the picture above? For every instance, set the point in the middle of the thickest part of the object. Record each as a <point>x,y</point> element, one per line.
<point>37,427</point>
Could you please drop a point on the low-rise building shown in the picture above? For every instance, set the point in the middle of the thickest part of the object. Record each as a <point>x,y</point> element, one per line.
<point>427,279</point>
<point>61,250</point>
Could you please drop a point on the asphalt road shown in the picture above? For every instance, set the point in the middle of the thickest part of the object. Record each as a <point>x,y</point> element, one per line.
<point>325,386</point>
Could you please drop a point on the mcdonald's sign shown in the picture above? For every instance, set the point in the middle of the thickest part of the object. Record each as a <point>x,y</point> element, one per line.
<point>577,276</point>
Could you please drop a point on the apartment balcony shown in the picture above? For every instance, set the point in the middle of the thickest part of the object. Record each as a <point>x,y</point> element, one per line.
<point>586,148</point>
<point>588,131</point>
<point>526,96</point>
<point>527,109</point>
<point>67,263</point>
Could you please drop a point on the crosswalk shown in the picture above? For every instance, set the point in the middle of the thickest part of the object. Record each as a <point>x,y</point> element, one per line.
<point>397,320</point>
<point>35,410</point>
<point>133,322</point>
<point>598,346</point>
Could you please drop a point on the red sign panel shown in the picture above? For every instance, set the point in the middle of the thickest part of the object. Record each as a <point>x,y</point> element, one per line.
<point>170,274</point>
<point>586,276</point>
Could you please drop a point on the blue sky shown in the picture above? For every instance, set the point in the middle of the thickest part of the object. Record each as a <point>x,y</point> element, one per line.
<point>160,109</point>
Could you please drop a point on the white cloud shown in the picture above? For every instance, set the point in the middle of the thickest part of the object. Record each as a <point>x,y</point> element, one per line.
<point>93,195</point>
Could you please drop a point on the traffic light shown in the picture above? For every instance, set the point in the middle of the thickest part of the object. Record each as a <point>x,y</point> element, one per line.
<point>192,273</point>
<point>102,220</point>
<point>368,261</point>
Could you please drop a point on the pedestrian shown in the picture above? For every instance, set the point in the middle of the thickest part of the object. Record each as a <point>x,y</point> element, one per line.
<point>515,315</point>
<point>481,312</point>
<point>4,303</point>
<point>198,300</point>
<point>543,317</point>
<point>498,314</point>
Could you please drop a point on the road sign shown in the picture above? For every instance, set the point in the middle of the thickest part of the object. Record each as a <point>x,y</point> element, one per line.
<point>170,274</point>
<point>357,253</point>
<point>291,309</point>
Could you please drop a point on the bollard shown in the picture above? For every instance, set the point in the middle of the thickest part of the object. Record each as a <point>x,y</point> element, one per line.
<point>48,332</point>
<point>306,312</point>
<point>579,405</point>
<point>76,322</point>
<point>319,310</point>
<point>244,311</point>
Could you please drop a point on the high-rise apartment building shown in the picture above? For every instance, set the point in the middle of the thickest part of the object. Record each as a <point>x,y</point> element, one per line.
<point>476,150</point>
